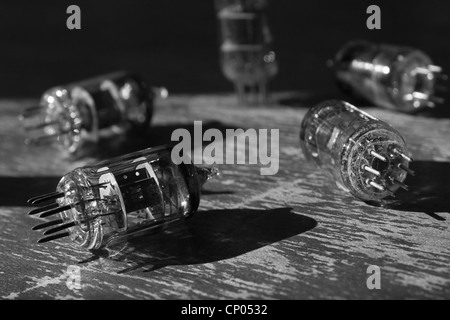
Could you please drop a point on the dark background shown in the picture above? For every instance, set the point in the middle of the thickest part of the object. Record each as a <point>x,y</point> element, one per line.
<point>174,42</point>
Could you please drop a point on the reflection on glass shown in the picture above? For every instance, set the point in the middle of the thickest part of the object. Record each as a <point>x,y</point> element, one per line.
<point>390,76</point>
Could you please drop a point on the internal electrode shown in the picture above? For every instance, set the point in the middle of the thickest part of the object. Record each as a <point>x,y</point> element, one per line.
<point>366,156</point>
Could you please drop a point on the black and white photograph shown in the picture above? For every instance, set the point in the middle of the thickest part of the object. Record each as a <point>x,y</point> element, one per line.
<point>224,154</point>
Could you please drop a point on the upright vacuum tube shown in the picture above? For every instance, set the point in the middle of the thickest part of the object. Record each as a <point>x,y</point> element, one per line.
<point>393,77</point>
<point>88,110</point>
<point>118,199</point>
<point>365,156</point>
<point>246,47</point>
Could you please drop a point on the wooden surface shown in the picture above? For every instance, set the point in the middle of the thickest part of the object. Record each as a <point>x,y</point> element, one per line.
<point>289,236</point>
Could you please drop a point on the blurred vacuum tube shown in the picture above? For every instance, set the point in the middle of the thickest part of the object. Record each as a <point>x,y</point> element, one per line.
<point>71,115</point>
<point>247,56</point>
<point>394,77</point>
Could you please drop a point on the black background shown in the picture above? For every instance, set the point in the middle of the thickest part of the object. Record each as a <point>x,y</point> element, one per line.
<point>174,42</point>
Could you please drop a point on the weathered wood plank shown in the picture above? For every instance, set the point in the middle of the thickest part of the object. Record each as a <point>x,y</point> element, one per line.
<point>289,236</point>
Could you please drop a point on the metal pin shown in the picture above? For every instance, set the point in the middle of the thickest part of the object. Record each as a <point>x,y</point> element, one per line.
<point>391,193</point>
<point>404,156</point>
<point>378,156</point>
<point>46,197</point>
<point>41,125</point>
<point>55,211</point>
<point>42,209</point>
<point>47,138</point>
<point>408,170</point>
<point>31,109</point>
<point>160,92</point>
<point>422,70</point>
<point>409,97</point>
<point>434,69</point>
<point>420,95</point>
<point>61,227</point>
<point>401,185</point>
<point>42,139</point>
<point>376,185</point>
<point>372,170</point>
<point>430,104</point>
<point>59,221</point>
<point>53,237</point>
<point>47,224</point>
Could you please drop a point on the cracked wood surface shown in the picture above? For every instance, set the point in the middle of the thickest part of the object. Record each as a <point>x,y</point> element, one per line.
<point>293,235</point>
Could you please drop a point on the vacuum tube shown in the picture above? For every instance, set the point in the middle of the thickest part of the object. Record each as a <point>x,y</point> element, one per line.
<point>365,156</point>
<point>115,200</point>
<point>393,77</point>
<point>88,110</point>
<point>246,48</point>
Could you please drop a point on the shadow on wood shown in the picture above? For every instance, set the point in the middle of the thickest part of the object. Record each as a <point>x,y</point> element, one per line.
<point>208,237</point>
<point>429,190</point>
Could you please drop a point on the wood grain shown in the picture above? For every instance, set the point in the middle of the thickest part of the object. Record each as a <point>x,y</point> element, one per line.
<point>293,235</point>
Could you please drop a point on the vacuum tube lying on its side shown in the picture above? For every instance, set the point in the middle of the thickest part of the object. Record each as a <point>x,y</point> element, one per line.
<point>121,198</point>
<point>393,77</point>
<point>87,110</point>
<point>366,157</point>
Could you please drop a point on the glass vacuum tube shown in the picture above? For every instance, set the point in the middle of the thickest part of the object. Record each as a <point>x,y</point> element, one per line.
<point>88,110</point>
<point>393,77</point>
<point>118,199</point>
<point>246,48</point>
<point>365,156</point>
